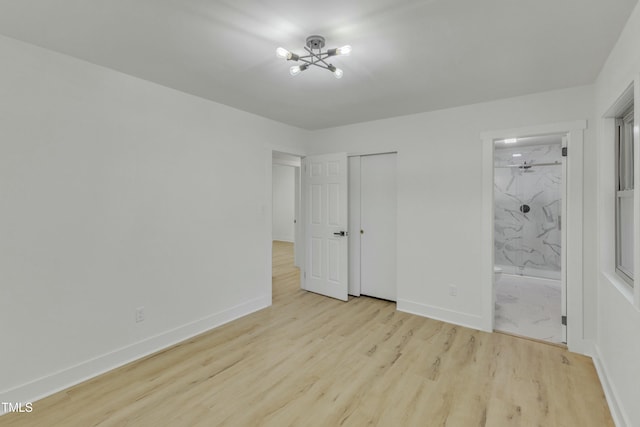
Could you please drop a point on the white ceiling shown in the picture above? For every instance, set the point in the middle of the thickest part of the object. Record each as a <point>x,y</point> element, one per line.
<point>408,56</point>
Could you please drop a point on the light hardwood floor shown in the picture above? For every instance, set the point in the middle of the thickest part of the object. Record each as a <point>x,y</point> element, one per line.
<point>313,361</point>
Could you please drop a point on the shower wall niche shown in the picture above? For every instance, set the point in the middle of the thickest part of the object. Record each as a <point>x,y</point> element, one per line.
<point>528,207</point>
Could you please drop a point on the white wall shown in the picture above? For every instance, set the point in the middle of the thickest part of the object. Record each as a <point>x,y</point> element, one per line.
<point>283,203</point>
<point>440,197</point>
<point>115,194</point>
<point>618,343</point>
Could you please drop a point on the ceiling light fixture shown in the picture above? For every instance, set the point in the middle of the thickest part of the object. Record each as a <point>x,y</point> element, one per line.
<point>511,140</point>
<point>315,57</point>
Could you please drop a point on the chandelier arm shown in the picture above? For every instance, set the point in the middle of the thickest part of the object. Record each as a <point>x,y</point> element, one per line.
<point>324,55</point>
<point>322,66</point>
<point>306,61</point>
<point>327,67</point>
<point>318,56</point>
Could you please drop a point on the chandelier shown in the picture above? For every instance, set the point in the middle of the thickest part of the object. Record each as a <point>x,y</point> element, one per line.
<point>315,57</point>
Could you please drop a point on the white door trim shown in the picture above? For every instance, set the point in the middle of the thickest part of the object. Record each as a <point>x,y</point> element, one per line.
<point>298,244</point>
<point>573,225</point>
<point>354,183</point>
<point>563,241</point>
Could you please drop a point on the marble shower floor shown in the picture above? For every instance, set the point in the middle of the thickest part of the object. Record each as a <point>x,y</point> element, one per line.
<point>529,307</point>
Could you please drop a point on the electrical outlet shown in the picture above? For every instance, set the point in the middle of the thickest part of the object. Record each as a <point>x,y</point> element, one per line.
<point>453,290</point>
<point>139,314</point>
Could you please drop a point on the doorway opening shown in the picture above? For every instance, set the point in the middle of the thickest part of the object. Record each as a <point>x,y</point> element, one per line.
<point>529,239</point>
<point>285,224</point>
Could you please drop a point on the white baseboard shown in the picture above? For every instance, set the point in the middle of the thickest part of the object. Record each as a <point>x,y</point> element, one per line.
<point>620,418</point>
<point>282,239</point>
<point>65,378</point>
<point>442,314</point>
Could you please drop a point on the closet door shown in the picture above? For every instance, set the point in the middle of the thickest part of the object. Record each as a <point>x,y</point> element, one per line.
<point>378,224</point>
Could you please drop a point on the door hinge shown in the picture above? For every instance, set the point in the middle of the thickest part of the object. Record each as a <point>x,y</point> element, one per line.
<point>564,151</point>
<point>564,320</point>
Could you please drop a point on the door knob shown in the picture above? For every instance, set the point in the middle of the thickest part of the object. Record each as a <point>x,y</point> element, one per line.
<point>341,233</point>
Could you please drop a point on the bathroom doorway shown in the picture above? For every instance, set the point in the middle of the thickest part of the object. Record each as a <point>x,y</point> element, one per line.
<point>529,250</point>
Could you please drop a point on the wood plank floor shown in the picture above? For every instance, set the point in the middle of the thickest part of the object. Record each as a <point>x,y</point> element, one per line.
<point>314,361</point>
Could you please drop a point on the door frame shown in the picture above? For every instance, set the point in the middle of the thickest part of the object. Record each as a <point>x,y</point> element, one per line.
<point>572,224</point>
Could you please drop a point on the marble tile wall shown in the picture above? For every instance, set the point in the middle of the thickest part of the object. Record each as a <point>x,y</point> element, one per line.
<point>528,210</point>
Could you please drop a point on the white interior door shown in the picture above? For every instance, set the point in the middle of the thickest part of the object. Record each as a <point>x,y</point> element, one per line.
<point>378,224</point>
<point>563,244</point>
<point>325,211</point>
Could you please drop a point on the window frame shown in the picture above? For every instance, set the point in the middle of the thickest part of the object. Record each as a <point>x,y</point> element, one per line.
<point>624,185</point>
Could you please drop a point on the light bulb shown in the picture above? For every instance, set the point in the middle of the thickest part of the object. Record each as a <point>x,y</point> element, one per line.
<point>338,73</point>
<point>297,69</point>
<point>344,50</point>
<point>283,53</point>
